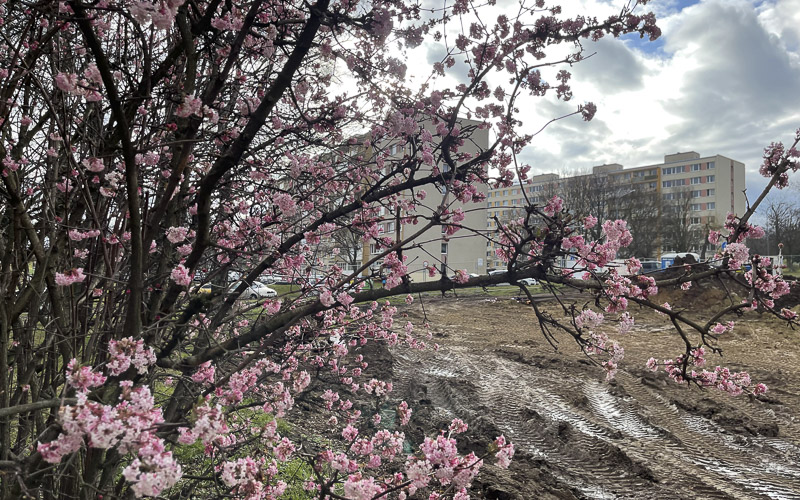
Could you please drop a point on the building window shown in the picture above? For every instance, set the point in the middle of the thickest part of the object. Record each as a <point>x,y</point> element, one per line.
<point>673,170</point>
<point>444,248</point>
<point>711,206</point>
<point>696,180</point>
<point>374,249</point>
<point>697,194</point>
<point>673,183</point>
<point>696,167</point>
<point>505,203</point>
<point>505,192</point>
<point>694,207</point>
<point>695,220</point>
<point>710,178</point>
<point>710,165</point>
<point>711,192</point>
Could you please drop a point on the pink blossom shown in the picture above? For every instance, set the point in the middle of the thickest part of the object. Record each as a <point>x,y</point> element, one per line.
<point>349,433</point>
<point>272,306</point>
<point>457,426</point>
<point>72,276</point>
<point>358,488</point>
<point>67,82</point>
<point>505,453</point>
<point>286,204</point>
<point>127,352</point>
<point>554,205</point>
<point>284,449</point>
<point>461,276</point>
<point>82,377</point>
<point>181,276</point>
<point>204,373</point>
<point>404,412</point>
<point>327,298</point>
<point>177,234</point>
<point>191,105</point>
<point>94,165</point>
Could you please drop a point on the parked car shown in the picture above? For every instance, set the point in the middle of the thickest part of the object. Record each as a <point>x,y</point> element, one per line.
<point>256,290</point>
<point>649,266</point>
<point>528,281</point>
<point>499,271</point>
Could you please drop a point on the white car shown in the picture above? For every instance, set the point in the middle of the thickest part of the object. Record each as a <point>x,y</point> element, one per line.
<point>528,282</point>
<point>256,290</point>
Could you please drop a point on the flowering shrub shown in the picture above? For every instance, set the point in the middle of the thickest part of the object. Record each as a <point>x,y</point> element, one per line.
<point>152,144</point>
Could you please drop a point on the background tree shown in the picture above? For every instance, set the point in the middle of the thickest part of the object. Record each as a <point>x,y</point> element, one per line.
<point>602,196</point>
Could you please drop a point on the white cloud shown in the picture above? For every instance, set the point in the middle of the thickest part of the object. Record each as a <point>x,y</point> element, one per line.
<point>724,80</point>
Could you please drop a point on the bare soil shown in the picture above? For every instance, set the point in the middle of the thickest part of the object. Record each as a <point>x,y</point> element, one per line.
<point>641,436</point>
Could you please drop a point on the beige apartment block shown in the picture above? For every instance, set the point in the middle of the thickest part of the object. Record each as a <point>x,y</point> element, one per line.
<point>707,188</point>
<point>715,185</point>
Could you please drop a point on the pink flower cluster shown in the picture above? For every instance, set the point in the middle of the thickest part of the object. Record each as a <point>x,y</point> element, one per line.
<point>734,383</point>
<point>177,234</point>
<point>396,269</point>
<point>204,374</point>
<point>130,425</point>
<point>404,413</point>
<point>76,235</point>
<point>737,253</point>
<point>461,276</point>
<point>250,479</point>
<point>82,377</point>
<point>554,206</point>
<point>191,105</point>
<point>180,275</point>
<point>68,278</point>
<point>209,424</point>
<point>505,452</point>
<point>128,352</point>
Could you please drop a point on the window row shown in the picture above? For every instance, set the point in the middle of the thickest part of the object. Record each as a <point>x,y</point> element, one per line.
<point>686,182</point>
<point>695,167</point>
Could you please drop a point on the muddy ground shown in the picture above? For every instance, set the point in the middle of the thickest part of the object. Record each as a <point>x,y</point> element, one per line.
<point>577,436</point>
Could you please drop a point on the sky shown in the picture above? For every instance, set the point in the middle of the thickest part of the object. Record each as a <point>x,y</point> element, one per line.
<point>724,78</point>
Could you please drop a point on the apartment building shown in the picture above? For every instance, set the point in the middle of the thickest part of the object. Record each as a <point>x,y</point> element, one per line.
<point>461,250</point>
<point>686,186</point>
<point>465,249</point>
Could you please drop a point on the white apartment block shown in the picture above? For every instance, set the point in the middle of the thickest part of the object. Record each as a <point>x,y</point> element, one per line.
<point>464,249</point>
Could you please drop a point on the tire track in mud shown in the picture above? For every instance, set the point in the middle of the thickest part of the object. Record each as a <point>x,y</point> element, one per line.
<point>601,444</point>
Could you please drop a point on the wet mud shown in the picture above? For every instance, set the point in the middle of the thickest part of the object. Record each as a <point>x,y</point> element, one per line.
<point>641,436</point>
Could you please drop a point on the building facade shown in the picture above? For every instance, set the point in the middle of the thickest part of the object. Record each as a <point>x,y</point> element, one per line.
<point>465,249</point>
<point>683,198</point>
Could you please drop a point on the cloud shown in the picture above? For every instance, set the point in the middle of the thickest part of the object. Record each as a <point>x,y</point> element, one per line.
<point>723,79</point>
<point>613,67</point>
<point>739,68</point>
